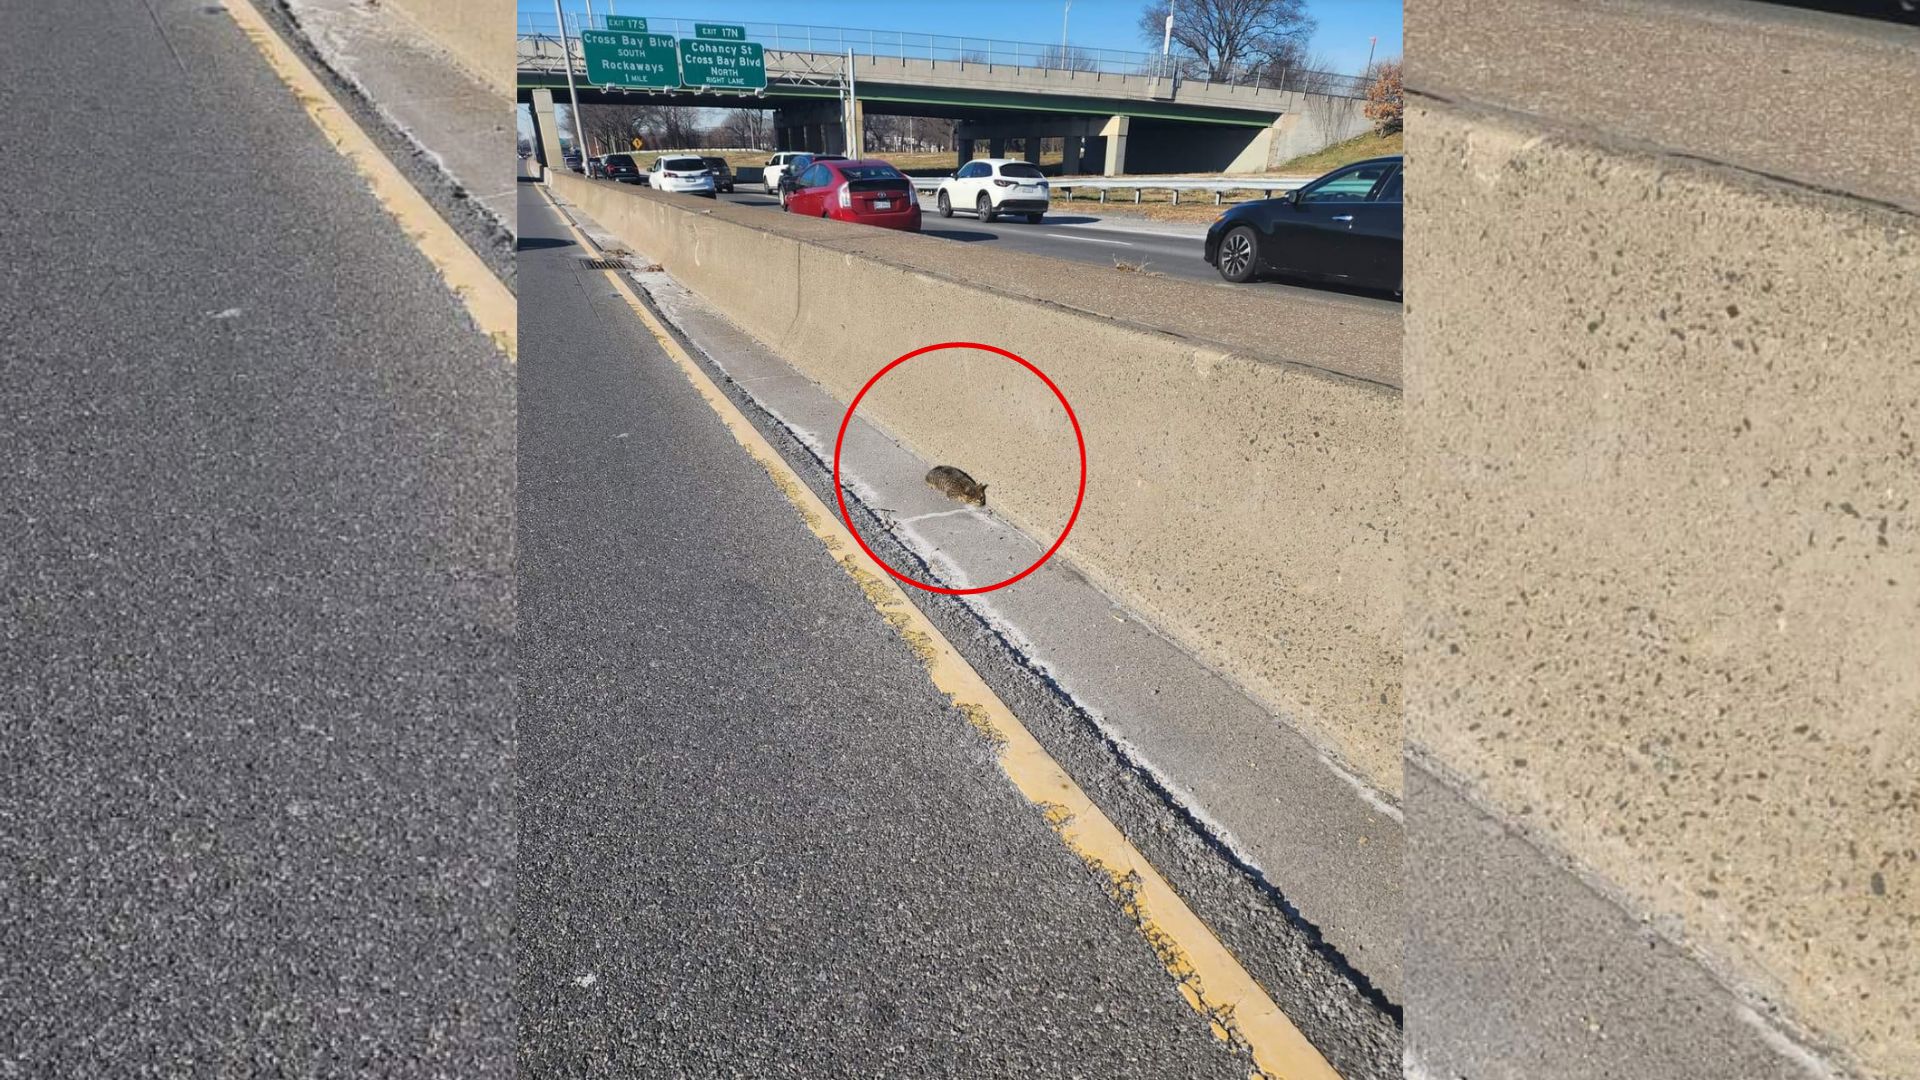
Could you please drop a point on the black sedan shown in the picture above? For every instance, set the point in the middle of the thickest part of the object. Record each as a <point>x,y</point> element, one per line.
<point>621,168</point>
<point>1344,227</point>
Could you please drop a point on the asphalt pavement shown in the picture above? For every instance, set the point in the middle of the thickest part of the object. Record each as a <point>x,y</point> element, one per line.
<point>255,585</point>
<point>1081,236</point>
<point>754,839</point>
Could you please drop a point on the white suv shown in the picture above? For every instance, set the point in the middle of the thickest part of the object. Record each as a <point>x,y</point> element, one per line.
<point>777,164</point>
<point>995,186</point>
<point>685,175</point>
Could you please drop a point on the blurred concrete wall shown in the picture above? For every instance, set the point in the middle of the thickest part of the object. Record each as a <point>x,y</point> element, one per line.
<point>479,34</point>
<point>1663,631</point>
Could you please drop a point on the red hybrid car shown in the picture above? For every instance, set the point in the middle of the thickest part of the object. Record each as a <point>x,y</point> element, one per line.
<point>869,192</point>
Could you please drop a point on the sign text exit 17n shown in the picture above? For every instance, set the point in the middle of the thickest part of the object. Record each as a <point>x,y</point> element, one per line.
<point>720,31</point>
<point>707,64</point>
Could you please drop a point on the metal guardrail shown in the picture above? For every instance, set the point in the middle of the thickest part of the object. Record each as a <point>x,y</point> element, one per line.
<point>840,40</point>
<point>1105,184</point>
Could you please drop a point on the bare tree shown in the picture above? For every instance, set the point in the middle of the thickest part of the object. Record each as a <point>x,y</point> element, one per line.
<point>1232,38</point>
<point>1068,58</point>
<point>608,129</point>
<point>746,128</point>
<point>668,127</point>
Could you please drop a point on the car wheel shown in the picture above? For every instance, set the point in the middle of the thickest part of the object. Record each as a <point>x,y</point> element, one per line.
<point>1238,255</point>
<point>1035,219</point>
<point>983,207</point>
<point>946,208</point>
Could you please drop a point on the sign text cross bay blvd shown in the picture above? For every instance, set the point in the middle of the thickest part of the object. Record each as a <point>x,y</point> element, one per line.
<point>723,65</point>
<point>641,61</point>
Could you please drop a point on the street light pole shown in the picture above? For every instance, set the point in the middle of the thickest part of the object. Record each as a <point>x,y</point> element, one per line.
<point>1063,32</point>
<point>1370,43</point>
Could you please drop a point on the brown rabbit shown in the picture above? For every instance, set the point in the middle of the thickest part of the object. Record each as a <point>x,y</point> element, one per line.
<point>955,484</point>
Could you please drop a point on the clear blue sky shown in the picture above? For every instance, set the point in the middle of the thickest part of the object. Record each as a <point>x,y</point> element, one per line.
<point>1341,37</point>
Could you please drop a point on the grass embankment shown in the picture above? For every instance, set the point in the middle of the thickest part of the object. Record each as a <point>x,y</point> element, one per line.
<point>1358,148</point>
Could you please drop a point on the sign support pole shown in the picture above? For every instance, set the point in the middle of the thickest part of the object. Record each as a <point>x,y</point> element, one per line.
<point>852,118</point>
<point>573,93</point>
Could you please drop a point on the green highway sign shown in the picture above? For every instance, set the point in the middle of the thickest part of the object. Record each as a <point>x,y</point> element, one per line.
<point>723,65</point>
<point>637,61</point>
<point>721,31</point>
<point>628,23</point>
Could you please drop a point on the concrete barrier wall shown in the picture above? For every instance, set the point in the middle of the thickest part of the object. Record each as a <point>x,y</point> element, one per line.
<point>1664,503</point>
<point>1246,504</point>
<point>479,34</point>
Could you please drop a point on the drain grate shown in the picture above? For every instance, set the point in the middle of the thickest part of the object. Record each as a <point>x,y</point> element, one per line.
<point>607,264</point>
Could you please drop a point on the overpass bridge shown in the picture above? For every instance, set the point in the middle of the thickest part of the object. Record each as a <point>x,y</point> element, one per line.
<point>1117,112</point>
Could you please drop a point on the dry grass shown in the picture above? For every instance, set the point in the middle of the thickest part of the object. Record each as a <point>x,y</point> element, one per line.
<point>1358,148</point>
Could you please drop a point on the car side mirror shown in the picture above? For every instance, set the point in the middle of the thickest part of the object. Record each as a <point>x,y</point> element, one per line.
<point>1293,197</point>
<point>953,175</point>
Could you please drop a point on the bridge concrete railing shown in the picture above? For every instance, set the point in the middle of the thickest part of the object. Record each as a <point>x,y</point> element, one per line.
<point>545,53</point>
<point>880,45</point>
<point>1664,505</point>
<point>1244,449</point>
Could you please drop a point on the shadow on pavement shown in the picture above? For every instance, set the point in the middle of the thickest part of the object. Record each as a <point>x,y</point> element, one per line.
<point>950,234</point>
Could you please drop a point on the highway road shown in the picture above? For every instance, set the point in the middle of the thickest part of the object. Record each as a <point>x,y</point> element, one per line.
<point>755,840</point>
<point>1099,240</point>
<point>255,569</point>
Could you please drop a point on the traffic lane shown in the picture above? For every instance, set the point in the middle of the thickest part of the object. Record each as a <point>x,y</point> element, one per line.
<point>256,562</point>
<point>754,838</point>
<point>1074,236</point>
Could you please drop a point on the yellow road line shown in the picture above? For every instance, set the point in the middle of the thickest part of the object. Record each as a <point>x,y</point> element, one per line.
<point>1209,976</point>
<point>486,299</point>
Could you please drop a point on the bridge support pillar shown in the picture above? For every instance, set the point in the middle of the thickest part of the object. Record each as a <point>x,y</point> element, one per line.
<point>1033,149</point>
<point>1115,132</point>
<point>1072,149</point>
<point>996,147</point>
<point>963,153</point>
<point>546,130</point>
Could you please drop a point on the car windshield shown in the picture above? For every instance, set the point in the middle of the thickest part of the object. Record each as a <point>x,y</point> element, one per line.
<point>715,163</point>
<point>682,164</point>
<point>872,172</point>
<point>619,159</point>
<point>1022,170</point>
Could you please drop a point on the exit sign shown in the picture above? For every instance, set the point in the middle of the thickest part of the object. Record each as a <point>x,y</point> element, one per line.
<point>720,31</point>
<point>627,23</point>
